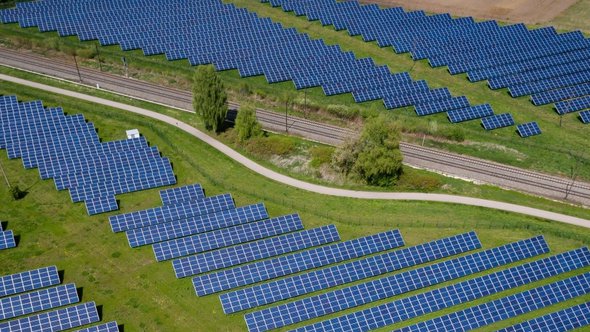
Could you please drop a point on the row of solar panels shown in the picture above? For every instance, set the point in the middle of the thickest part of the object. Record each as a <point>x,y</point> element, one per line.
<point>255,46</point>
<point>26,298</point>
<point>7,239</point>
<point>68,149</point>
<point>258,261</point>
<point>550,67</point>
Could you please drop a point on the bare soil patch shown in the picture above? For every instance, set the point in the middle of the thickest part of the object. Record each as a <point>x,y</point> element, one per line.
<point>526,11</point>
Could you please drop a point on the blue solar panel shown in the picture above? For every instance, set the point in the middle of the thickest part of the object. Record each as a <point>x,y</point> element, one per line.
<point>101,204</point>
<point>194,225</point>
<point>28,280</point>
<point>572,105</point>
<point>248,43</point>
<point>226,237</point>
<point>356,295</point>
<point>57,320</point>
<point>24,304</point>
<point>463,292</point>
<point>182,194</point>
<point>560,321</point>
<point>552,96</point>
<point>443,105</point>
<point>143,218</point>
<point>528,129</point>
<point>298,262</point>
<point>7,240</point>
<point>470,113</point>
<point>585,116</point>
<point>497,121</point>
<point>258,250</point>
<point>507,307</point>
<point>106,327</point>
<point>298,285</point>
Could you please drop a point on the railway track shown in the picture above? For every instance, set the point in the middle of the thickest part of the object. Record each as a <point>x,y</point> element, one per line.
<point>444,162</point>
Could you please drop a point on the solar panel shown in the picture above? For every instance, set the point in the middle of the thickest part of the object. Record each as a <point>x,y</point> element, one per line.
<point>143,218</point>
<point>101,204</point>
<point>497,121</point>
<point>107,327</point>
<point>27,303</point>
<point>226,237</point>
<point>7,240</point>
<point>194,225</point>
<point>470,113</point>
<point>333,276</point>
<point>360,294</point>
<point>463,292</point>
<point>258,250</point>
<point>298,262</point>
<point>28,280</point>
<point>507,307</point>
<point>560,321</point>
<point>182,194</point>
<point>442,105</point>
<point>57,320</point>
<point>585,116</point>
<point>573,105</point>
<point>528,129</point>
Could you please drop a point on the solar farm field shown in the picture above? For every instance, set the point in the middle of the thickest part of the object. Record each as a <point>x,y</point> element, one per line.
<point>560,147</point>
<point>143,294</point>
<point>220,248</point>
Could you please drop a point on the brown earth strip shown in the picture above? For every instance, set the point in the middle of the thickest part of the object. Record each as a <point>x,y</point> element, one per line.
<point>526,11</point>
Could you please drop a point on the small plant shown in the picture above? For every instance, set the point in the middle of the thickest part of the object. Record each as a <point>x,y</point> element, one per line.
<point>17,193</point>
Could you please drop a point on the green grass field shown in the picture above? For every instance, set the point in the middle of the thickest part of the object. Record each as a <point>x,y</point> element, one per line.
<point>557,151</point>
<point>144,295</point>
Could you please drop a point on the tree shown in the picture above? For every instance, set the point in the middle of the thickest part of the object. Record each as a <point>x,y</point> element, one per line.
<point>209,98</point>
<point>374,156</point>
<point>247,125</point>
<point>17,193</point>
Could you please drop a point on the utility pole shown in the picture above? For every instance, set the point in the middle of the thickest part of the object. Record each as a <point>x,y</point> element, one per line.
<point>77,68</point>
<point>98,57</point>
<point>286,115</point>
<point>126,66</point>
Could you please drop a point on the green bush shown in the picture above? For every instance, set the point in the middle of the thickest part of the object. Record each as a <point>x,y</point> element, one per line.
<point>343,111</point>
<point>86,53</point>
<point>456,134</point>
<point>413,180</point>
<point>269,146</point>
<point>321,155</point>
<point>247,125</point>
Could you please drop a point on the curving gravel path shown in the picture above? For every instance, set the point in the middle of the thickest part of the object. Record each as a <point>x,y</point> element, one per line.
<point>305,185</point>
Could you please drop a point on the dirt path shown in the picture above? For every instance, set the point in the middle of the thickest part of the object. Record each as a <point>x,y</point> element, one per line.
<point>526,11</point>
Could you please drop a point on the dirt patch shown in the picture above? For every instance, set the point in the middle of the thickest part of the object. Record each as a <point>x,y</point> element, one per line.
<point>526,11</point>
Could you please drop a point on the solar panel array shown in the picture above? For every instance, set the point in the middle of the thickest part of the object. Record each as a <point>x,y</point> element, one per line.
<point>31,301</point>
<point>560,321</point>
<point>462,292</point>
<point>195,225</point>
<point>168,213</point>
<point>7,239</point>
<point>364,293</point>
<point>316,280</point>
<point>528,129</point>
<point>193,192</point>
<point>297,262</point>
<point>68,149</point>
<point>227,237</point>
<point>106,327</point>
<point>585,116</point>
<point>507,307</point>
<point>497,121</point>
<point>245,253</point>
<point>211,32</point>
<point>528,62</point>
